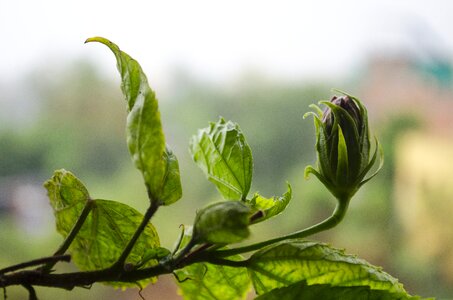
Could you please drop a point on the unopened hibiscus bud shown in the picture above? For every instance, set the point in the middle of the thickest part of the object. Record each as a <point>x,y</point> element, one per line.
<point>343,146</point>
<point>347,104</point>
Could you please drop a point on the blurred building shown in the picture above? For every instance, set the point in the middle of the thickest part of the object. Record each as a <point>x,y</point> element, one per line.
<point>424,199</point>
<point>396,85</point>
<point>423,165</point>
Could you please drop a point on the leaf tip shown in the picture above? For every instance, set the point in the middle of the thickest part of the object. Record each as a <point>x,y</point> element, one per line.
<point>91,39</point>
<point>101,40</point>
<point>288,185</point>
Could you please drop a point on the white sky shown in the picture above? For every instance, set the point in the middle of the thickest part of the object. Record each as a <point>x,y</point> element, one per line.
<point>218,39</point>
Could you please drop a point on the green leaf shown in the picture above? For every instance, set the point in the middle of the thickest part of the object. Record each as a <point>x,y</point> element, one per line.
<point>65,191</point>
<point>222,223</point>
<point>301,290</point>
<point>293,261</point>
<point>270,206</point>
<point>171,188</point>
<point>221,151</point>
<point>204,281</point>
<point>145,137</point>
<point>106,231</point>
<point>207,281</point>
<point>104,236</point>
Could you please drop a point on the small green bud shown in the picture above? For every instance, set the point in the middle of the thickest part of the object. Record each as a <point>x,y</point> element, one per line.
<point>222,223</point>
<point>343,146</point>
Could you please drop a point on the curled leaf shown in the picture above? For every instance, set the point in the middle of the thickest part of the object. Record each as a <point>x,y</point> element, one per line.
<point>270,207</point>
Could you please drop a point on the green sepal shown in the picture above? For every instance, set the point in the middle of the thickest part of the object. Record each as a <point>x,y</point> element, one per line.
<point>364,141</point>
<point>222,223</point>
<point>322,150</point>
<point>350,131</point>
<point>310,170</point>
<point>343,163</point>
<point>364,131</point>
<point>223,154</point>
<point>317,109</point>
<point>270,207</point>
<point>378,148</point>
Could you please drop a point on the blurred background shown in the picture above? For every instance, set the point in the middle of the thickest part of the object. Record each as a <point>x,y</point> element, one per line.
<point>258,63</point>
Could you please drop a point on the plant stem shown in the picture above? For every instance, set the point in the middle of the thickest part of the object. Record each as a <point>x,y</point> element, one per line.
<point>71,280</point>
<point>78,279</point>
<point>39,261</point>
<point>70,237</point>
<point>179,241</point>
<point>177,259</point>
<point>31,292</point>
<point>130,245</point>
<point>332,221</point>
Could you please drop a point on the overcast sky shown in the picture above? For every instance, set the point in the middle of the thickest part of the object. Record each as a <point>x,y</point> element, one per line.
<point>219,39</point>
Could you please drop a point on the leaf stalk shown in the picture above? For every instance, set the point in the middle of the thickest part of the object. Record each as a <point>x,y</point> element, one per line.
<point>130,245</point>
<point>332,221</point>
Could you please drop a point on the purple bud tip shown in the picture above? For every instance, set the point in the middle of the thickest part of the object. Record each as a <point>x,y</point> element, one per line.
<point>348,105</point>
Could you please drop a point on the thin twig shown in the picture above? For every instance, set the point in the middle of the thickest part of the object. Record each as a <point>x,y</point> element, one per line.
<point>179,241</point>
<point>80,279</point>
<point>130,245</point>
<point>72,234</point>
<point>35,262</point>
<point>31,292</point>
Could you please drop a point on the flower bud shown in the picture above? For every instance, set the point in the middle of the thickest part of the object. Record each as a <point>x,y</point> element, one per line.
<point>222,223</point>
<point>343,146</point>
